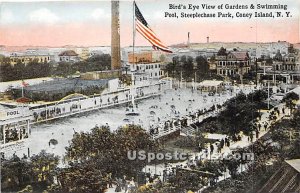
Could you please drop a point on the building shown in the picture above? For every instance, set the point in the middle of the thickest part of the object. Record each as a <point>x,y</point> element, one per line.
<point>233,63</point>
<point>95,53</point>
<point>14,125</point>
<point>83,53</point>
<point>144,57</point>
<point>25,58</point>
<point>152,70</point>
<point>285,179</point>
<point>68,56</point>
<point>211,86</point>
<point>284,69</point>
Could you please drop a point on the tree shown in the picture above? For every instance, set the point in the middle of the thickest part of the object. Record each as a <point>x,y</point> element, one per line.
<point>63,69</point>
<point>187,66</point>
<point>290,96</point>
<point>222,52</point>
<point>108,151</point>
<point>202,65</point>
<point>38,170</point>
<point>258,97</point>
<point>15,173</point>
<point>6,72</point>
<point>80,178</point>
<point>289,99</point>
<point>44,164</point>
<point>172,68</point>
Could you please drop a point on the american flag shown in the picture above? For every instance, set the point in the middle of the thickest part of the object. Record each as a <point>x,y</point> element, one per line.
<point>144,29</point>
<point>24,84</point>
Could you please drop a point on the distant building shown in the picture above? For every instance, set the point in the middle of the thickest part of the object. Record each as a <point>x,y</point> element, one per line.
<point>285,69</point>
<point>95,52</point>
<point>282,46</point>
<point>25,58</point>
<point>211,86</point>
<point>284,63</point>
<point>233,63</point>
<point>144,57</point>
<point>84,53</point>
<point>151,69</point>
<point>68,56</point>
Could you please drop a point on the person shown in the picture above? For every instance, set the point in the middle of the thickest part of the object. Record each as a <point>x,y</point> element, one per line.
<point>251,137</point>
<point>211,148</point>
<point>131,185</point>
<point>124,183</point>
<point>219,148</point>
<point>222,143</point>
<point>110,180</point>
<point>199,147</point>
<point>228,143</point>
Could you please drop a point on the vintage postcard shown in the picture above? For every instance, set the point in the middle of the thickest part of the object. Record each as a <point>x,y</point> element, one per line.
<point>149,96</point>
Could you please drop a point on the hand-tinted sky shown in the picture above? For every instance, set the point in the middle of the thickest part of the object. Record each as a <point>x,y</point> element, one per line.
<point>88,23</point>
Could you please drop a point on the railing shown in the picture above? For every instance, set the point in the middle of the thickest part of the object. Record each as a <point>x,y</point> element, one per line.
<point>49,112</point>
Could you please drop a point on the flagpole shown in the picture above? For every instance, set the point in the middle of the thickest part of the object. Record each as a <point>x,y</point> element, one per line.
<point>22,90</point>
<point>133,31</point>
<point>133,44</point>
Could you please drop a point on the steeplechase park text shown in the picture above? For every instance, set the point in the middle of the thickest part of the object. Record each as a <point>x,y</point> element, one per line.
<point>227,11</point>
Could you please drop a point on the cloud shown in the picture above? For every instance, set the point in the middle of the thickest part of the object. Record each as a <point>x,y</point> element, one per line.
<point>98,14</point>
<point>43,15</point>
<point>6,16</point>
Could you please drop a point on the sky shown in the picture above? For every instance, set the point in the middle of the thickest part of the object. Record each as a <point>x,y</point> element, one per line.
<point>87,23</point>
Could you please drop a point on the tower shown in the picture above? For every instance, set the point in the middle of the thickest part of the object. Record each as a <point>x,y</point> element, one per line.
<point>115,36</point>
<point>207,39</point>
<point>188,41</point>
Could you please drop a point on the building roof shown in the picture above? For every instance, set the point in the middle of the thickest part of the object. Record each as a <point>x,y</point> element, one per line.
<point>210,83</point>
<point>285,179</point>
<point>295,163</point>
<point>68,53</point>
<point>240,55</point>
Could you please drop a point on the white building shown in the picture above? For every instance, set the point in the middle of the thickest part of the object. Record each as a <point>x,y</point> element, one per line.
<point>68,56</point>
<point>152,70</point>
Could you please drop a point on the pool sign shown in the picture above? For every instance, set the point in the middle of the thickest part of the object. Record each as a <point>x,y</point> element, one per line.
<point>13,113</point>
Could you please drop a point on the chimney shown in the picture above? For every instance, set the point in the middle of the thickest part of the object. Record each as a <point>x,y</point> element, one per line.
<point>188,42</point>
<point>115,36</point>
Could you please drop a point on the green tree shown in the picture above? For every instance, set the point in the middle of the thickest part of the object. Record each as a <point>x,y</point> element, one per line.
<point>202,65</point>
<point>187,66</point>
<point>44,164</point>
<point>222,52</point>
<point>80,178</point>
<point>15,173</point>
<point>290,99</point>
<point>109,150</point>
<point>172,68</point>
<point>6,72</point>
